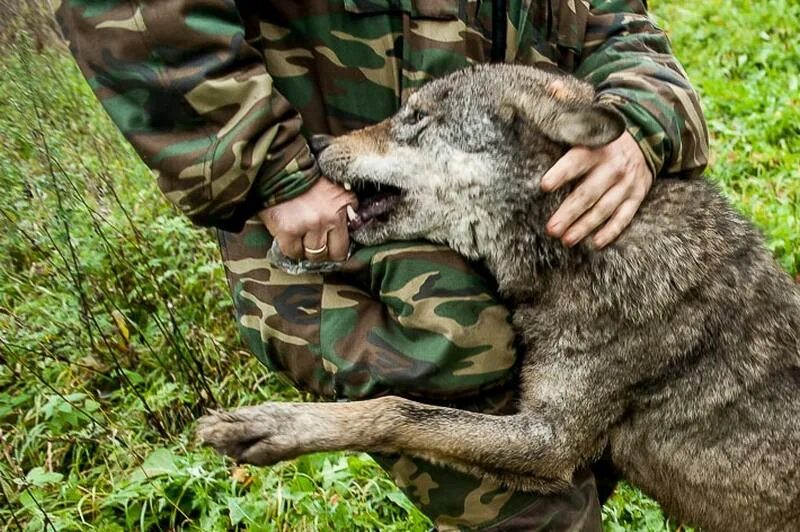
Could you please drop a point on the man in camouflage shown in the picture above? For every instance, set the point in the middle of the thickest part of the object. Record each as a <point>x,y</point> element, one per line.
<point>219,97</point>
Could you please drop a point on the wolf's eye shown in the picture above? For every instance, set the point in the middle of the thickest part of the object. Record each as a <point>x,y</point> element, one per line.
<point>415,116</point>
<point>410,124</point>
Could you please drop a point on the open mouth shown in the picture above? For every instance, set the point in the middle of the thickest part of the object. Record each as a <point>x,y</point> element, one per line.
<point>375,202</point>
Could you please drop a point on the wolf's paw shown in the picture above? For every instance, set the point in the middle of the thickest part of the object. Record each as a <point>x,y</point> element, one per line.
<point>258,435</point>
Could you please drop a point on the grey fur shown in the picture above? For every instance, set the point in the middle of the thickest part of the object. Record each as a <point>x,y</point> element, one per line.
<point>676,349</point>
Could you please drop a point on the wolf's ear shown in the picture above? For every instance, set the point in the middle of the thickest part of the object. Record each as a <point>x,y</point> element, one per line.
<point>594,126</point>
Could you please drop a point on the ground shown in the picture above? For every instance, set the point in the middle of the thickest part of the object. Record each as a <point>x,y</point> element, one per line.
<point>115,322</point>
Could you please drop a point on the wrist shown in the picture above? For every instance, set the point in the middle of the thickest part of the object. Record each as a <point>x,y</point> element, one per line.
<point>288,184</point>
<point>642,127</point>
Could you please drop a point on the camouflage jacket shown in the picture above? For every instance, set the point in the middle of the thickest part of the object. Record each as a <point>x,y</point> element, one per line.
<point>218,96</point>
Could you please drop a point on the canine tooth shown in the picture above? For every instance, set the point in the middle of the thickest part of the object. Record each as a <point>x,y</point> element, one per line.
<point>351,213</point>
<point>347,186</point>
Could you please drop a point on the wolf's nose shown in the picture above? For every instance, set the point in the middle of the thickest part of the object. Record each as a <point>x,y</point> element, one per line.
<point>320,142</point>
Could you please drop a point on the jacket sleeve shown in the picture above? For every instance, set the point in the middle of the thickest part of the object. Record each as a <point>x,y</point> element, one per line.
<point>629,60</point>
<point>181,82</point>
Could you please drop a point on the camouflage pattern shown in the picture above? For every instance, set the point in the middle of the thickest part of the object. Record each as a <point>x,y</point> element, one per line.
<point>407,318</point>
<point>218,97</point>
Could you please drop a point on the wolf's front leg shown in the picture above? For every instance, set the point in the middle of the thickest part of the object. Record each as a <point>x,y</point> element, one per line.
<point>271,432</point>
<point>519,450</point>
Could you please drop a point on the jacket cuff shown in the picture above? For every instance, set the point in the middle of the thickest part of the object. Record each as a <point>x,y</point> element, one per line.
<point>292,180</point>
<point>643,127</point>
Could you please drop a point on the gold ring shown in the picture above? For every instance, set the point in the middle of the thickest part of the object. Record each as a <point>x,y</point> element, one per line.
<point>320,251</point>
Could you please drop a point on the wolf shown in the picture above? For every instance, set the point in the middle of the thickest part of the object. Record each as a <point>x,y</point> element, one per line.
<point>675,351</point>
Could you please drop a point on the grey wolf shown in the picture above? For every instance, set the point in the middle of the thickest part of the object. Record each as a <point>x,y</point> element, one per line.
<point>676,350</point>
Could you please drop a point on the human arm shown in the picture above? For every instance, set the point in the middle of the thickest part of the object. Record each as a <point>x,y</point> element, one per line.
<point>191,95</point>
<point>630,63</point>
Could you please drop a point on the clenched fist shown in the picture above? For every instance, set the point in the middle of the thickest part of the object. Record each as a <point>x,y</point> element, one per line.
<point>314,224</point>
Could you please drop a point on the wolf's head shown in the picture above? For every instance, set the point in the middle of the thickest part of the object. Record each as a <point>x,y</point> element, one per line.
<point>462,159</point>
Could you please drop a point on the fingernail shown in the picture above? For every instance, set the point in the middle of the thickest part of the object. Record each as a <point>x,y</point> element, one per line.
<point>554,229</point>
<point>351,213</point>
<point>544,184</point>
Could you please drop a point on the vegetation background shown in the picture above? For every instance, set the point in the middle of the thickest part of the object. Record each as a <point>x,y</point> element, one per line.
<point>116,327</point>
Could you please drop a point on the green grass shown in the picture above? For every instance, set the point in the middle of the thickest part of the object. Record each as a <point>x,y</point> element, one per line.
<point>744,58</point>
<point>116,327</point>
<point>117,332</point>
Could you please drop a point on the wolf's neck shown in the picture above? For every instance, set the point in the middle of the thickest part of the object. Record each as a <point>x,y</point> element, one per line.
<point>519,249</point>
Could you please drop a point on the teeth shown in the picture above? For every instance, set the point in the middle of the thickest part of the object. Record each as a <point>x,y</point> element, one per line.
<point>351,213</point>
<point>347,186</point>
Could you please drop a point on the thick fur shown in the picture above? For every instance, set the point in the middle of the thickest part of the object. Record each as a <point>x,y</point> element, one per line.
<point>676,349</point>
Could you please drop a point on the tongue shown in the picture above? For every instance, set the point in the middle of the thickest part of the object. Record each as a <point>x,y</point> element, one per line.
<point>371,208</point>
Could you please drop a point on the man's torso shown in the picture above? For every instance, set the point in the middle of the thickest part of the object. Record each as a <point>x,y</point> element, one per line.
<point>349,63</point>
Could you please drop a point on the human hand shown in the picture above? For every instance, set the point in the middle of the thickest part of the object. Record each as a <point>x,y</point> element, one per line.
<point>616,180</point>
<point>312,225</point>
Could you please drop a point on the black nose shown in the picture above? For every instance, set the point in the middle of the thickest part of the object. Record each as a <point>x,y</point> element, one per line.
<point>320,142</point>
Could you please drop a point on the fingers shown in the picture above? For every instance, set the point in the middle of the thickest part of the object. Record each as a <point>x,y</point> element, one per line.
<point>339,241</point>
<point>617,224</point>
<point>575,163</point>
<point>291,246</point>
<point>616,183</point>
<point>315,245</point>
<point>580,201</point>
<point>599,213</point>
<point>339,235</point>
<point>314,220</point>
